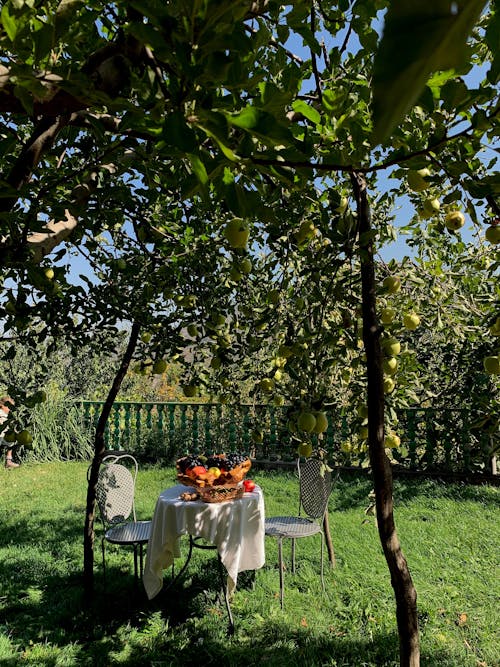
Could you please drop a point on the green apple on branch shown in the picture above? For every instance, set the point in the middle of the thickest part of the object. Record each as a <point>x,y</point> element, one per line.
<point>454,220</point>
<point>492,365</point>
<point>411,321</point>
<point>392,284</point>
<point>237,233</point>
<point>492,234</point>
<point>417,179</point>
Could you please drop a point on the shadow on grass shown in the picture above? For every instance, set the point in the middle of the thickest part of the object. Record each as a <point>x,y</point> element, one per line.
<point>184,625</point>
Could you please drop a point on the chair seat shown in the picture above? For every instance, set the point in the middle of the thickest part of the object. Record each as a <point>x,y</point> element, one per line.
<point>292,527</point>
<point>129,533</point>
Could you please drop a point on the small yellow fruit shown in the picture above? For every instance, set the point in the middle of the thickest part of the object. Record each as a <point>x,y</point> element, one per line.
<point>9,436</point>
<point>267,384</point>
<point>492,234</point>
<point>305,232</point>
<point>215,472</point>
<point>390,366</point>
<point>306,422</point>
<point>492,365</point>
<point>391,347</point>
<point>245,265</point>
<point>392,284</point>
<point>192,330</point>
<point>389,385</point>
<point>190,390</point>
<point>417,179</point>
<point>159,366</point>
<point>237,233</point>
<point>392,440</point>
<point>387,315</point>
<point>146,336</point>
<point>49,274</point>
<point>454,220</point>
<point>321,422</point>
<point>411,321</point>
<point>432,206</point>
<point>305,449</point>
<point>342,207</point>
<point>216,363</point>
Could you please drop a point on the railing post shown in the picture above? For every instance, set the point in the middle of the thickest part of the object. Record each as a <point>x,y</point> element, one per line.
<point>208,434</point>
<point>159,409</point>
<point>411,430</point>
<point>126,426</point>
<point>272,429</point>
<point>231,428</point>
<point>430,442</point>
<point>171,424</point>
<point>183,423</point>
<point>245,438</point>
<point>196,447</point>
<point>116,426</point>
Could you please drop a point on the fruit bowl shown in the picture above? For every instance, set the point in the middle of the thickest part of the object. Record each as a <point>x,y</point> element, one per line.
<point>215,471</point>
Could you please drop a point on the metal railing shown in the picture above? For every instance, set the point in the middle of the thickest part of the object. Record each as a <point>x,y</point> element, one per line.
<point>430,439</point>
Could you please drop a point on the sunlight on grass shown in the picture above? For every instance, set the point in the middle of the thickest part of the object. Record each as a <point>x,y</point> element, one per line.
<point>447,533</point>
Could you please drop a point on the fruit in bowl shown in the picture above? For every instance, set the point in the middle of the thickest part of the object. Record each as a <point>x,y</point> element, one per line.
<point>215,470</point>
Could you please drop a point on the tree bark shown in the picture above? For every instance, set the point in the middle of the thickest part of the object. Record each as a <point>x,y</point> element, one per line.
<point>99,450</point>
<point>404,590</point>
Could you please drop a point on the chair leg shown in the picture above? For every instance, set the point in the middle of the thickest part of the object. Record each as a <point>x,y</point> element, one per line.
<point>135,563</point>
<point>103,560</point>
<point>282,583</point>
<point>141,560</point>
<point>293,556</point>
<point>322,578</point>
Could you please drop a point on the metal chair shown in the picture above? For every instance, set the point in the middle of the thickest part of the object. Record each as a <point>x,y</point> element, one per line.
<point>115,493</point>
<point>315,487</point>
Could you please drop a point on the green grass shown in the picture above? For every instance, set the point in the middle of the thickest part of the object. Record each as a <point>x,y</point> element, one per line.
<point>449,535</point>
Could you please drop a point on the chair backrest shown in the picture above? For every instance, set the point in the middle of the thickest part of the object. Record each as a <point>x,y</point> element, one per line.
<point>315,487</point>
<point>116,488</point>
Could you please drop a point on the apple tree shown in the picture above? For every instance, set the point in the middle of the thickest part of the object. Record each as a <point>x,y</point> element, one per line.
<point>118,119</point>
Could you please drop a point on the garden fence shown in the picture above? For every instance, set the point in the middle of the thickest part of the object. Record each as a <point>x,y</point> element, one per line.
<point>430,439</point>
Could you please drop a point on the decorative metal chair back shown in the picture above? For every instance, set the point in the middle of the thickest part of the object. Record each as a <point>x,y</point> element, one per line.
<point>315,487</point>
<point>116,489</point>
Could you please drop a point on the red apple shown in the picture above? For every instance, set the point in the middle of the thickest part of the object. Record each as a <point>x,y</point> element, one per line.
<point>249,485</point>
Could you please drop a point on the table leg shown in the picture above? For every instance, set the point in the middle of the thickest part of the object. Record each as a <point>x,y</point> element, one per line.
<point>223,583</point>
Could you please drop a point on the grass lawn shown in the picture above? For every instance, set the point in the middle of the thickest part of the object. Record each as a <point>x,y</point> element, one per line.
<point>449,535</point>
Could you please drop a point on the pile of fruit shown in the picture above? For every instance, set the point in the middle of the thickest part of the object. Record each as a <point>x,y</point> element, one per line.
<point>215,470</point>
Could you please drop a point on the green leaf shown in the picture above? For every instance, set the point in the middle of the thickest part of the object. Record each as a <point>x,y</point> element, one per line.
<point>9,23</point>
<point>262,124</point>
<point>199,169</point>
<point>419,38</point>
<point>308,112</point>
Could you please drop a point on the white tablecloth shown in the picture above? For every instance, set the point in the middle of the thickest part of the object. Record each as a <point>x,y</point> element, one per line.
<point>235,527</point>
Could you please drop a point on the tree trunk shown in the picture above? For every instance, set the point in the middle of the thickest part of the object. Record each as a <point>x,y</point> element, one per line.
<point>404,590</point>
<point>99,450</point>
